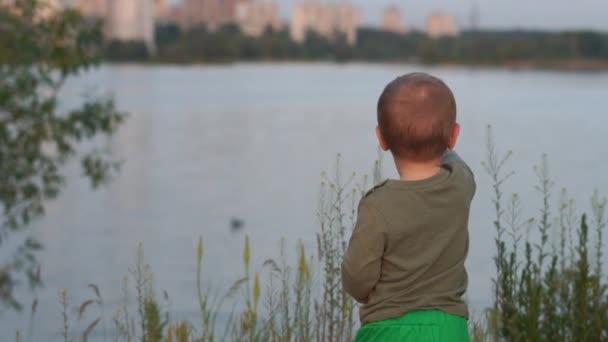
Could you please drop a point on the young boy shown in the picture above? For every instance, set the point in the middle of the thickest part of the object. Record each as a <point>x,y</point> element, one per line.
<point>405,259</point>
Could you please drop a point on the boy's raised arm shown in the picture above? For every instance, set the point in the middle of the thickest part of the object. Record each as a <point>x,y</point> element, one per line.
<point>452,158</point>
<point>363,257</point>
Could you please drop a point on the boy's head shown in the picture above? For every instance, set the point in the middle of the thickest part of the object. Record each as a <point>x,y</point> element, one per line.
<point>417,118</point>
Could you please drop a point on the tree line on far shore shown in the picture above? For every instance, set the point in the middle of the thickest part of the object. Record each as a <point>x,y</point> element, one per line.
<point>229,44</point>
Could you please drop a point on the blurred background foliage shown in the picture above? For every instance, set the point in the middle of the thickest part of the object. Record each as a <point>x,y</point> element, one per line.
<point>228,44</point>
<point>38,137</point>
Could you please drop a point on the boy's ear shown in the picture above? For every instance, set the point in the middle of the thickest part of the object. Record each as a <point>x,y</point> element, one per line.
<point>381,141</point>
<point>454,136</point>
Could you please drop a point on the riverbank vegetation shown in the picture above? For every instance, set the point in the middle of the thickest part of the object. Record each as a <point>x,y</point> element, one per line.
<point>518,49</point>
<point>549,282</point>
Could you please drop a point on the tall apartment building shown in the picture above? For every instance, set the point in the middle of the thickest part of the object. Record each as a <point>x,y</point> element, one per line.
<point>8,4</point>
<point>131,20</point>
<point>46,7</point>
<point>254,17</point>
<point>92,8</point>
<point>392,21</point>
<point>161,8</point>
<point>441,24</point>
<point>326,19</point>
<point>209,13</point>
<point>50,7</point>
<point>166,12</point>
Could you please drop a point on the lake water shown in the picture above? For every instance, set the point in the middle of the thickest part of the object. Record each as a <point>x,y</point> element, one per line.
<point>204,144</point>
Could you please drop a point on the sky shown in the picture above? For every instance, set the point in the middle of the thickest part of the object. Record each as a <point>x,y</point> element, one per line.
<point>498,14</point>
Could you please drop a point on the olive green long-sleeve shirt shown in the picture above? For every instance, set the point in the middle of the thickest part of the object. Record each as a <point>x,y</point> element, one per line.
<point>409,245</point>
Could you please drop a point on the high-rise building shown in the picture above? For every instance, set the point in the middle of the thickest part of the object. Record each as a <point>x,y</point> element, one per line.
<point>326,19</point>
<point>228,10</point>
<point>392,20</point>
<point>45,8</point>
<point>131,20</point>
<point>441,24</point>
<point>49,7</point>
<point>7,3</point>
<point>209,13</point>
<point>161,9</point>
<point>92,8</point>
<point>175,14</point>
<point>166,12</point>
<point>255,17</point>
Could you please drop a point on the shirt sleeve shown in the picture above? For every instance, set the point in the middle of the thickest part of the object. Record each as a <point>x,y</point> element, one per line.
<point>453,160</point>
<point>363,257</point>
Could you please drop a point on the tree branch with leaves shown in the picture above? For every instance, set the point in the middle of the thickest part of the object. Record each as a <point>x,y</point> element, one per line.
<point>38,138</point>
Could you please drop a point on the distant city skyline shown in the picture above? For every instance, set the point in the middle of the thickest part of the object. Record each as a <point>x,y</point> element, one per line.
<point>512,14</point>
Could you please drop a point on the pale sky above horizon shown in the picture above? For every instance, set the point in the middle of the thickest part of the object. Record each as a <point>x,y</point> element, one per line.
<point>498,14</point>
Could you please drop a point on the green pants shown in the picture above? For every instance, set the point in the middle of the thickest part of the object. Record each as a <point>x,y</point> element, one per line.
<point>417,326</point>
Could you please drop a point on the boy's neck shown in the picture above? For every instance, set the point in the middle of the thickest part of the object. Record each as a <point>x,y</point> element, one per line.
<point>413,171</point>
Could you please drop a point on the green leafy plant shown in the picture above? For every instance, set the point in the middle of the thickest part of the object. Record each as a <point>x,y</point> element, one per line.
<point>545,290</point>
<point>38,137</point>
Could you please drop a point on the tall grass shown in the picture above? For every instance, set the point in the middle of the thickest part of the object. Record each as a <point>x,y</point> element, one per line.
<point>549,283</point>
<point>547,287</point>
